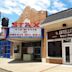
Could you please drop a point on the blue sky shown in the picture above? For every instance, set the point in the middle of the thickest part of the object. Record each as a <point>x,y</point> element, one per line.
<point>13,8</point>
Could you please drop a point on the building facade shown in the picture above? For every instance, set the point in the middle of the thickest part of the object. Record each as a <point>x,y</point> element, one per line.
<point>26,36</point>
<point>36,37</point>
<point>58,37</point>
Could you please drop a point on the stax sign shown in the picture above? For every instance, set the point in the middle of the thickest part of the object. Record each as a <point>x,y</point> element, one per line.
<point>26,24</point>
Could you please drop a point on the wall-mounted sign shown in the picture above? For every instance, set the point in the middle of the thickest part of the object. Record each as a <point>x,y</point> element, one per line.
<point>63,33</point>
<point>20,32</point>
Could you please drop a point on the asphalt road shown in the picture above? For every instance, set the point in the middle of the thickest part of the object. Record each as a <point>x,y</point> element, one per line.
<point>3,70</point>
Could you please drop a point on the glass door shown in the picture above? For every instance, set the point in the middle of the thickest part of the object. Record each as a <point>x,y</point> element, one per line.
<point>67,54</point>
<point>37,54</point>
<point>67,51</point>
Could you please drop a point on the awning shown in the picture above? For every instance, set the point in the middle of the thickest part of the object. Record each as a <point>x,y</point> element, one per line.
<point>24,39</point>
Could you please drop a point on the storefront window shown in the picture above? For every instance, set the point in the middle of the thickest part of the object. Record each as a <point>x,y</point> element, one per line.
<point>55,49</point>
<point>16,49</point>
<point>5,48</point>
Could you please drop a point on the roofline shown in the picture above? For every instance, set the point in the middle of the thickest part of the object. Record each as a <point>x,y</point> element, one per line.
<point>56,21</point>
<point>60,12</point>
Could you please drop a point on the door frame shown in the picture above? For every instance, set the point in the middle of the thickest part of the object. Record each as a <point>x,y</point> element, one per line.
<point>64,45</point>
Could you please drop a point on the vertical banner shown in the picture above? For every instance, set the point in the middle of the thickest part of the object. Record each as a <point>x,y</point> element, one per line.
<point>7,32</point>
<point>42,32</point>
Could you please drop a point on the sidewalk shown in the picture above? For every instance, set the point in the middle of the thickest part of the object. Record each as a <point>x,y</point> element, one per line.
<point>33,67</point>
<point>59,68</point>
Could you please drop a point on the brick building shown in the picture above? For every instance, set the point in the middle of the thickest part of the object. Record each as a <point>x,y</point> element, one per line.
<point>26,35</point>
<point>32,16</point>
<point>57,43</point>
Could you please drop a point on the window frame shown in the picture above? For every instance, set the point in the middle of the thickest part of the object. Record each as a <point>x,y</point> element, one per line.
<point>48,49</point>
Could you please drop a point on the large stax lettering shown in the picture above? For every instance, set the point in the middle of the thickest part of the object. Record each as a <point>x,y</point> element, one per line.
<point>36,24</point>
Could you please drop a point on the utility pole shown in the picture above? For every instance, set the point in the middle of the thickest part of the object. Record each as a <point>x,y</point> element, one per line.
<point>0,18</point>
<point>0,15</point>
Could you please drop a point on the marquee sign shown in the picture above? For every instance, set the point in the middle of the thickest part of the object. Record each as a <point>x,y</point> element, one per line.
<point>21,32</point>
<point>63,33</point>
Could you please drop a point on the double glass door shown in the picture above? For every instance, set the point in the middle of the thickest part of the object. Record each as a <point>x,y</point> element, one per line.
<point>32,48</point>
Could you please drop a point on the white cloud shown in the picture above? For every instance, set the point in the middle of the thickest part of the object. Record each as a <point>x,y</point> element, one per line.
<point>52,11</point>
<point>37,4</point>
<point>11,6</point>
<point>10,3</point>
<point>16,6</point>
<point>58,5</point>
<point>6,11</point>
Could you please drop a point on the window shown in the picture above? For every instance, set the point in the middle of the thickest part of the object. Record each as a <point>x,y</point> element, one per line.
<point>54,49</point>
<point>16,50</point>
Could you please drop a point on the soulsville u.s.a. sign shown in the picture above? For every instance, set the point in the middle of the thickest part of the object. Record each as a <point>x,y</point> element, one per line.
<point>63,33</point>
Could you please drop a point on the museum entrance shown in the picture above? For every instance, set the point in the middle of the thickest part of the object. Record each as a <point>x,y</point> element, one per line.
<point>31,51</point>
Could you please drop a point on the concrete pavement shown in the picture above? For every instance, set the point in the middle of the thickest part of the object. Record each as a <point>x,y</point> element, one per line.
<point>3,70</point>
<point>33,66</point>
<point>59,68</point>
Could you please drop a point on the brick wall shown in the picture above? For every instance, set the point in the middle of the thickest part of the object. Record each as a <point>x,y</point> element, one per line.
<point>32,15</point>
<point>55,61</point>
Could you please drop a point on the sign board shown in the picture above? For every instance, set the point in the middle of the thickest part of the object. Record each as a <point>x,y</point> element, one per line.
<point>21,32</point>
<point>63,33</point>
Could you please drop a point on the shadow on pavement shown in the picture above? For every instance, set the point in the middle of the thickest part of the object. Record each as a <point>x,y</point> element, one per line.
<point>21,61</point>
<point>4,70</point>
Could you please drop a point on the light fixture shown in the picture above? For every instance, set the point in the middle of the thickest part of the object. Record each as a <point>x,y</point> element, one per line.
<point>64,25</point>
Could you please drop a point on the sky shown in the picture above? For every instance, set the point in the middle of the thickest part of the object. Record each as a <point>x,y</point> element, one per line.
<point>12,9</point>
